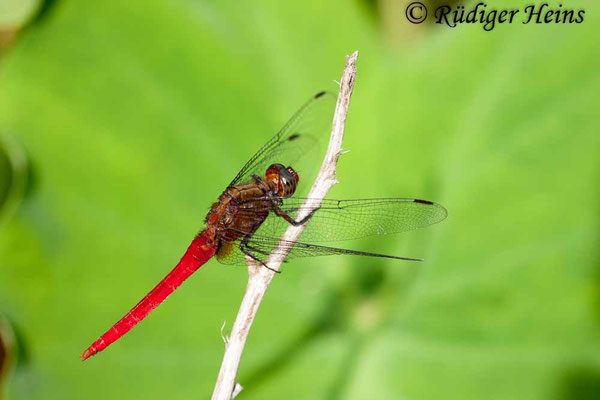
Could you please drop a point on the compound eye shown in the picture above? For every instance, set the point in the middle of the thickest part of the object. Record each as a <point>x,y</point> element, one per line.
<point>287,184</point>
<point>273,172</point>
<point>282,180</point>
<point>294,174</point>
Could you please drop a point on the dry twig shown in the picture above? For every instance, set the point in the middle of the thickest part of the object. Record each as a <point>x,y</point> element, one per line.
<point>259,278</point>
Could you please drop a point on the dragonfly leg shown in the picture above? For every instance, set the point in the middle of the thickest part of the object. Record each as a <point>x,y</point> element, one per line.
<point>263,186</point>
<point>264,253</point>
<point>291,220</point>
<point>277,201</point>
<point>249,251</point>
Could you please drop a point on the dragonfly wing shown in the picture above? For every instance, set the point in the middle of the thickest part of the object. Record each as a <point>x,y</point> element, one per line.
<point>229,253</point>
<point>299,136</point>
<point>353,219</point>
<point>262,246</point>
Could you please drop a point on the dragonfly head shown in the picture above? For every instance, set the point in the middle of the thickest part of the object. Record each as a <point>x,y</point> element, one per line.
<point>282,181</point>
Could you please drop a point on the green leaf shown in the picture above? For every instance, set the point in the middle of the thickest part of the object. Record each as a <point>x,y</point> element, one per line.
<point>134,117</point>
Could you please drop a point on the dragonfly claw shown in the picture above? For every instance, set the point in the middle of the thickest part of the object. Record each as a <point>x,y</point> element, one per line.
<point>90,351</point>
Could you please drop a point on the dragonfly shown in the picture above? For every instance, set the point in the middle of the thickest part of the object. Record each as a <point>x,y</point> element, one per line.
<point>258,205</point>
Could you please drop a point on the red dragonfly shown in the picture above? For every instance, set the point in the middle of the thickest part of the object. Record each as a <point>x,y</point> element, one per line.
<point>257,207</point>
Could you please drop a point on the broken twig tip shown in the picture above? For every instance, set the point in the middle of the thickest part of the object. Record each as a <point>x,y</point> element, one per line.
<point>351,58</point>
<point>236,390</point>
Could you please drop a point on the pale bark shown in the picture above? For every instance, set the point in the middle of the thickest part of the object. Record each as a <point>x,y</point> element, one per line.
<point>259,277</point>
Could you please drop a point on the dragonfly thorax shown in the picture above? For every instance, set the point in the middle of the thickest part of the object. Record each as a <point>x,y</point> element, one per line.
<point>281,180</point>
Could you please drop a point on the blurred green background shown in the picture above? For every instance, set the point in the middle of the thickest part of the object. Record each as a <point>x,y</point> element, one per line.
<point>133,116</point>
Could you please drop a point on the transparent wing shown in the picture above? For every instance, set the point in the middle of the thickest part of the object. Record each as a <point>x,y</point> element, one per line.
<point>351,219</point>
<point>260,247</point>
<point>299,136</point>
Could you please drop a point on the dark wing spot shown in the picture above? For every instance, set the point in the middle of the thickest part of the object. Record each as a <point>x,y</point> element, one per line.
<point>423,201</point>
<point>320,94</point>
<point>293,136</point>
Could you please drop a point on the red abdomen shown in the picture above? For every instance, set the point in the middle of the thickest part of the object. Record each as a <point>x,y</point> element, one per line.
<point>202,248</point>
